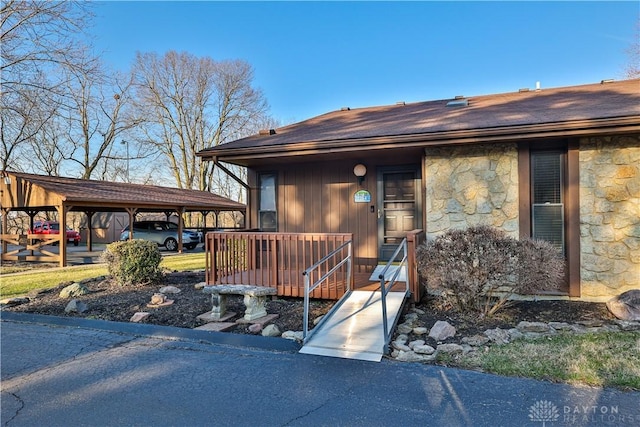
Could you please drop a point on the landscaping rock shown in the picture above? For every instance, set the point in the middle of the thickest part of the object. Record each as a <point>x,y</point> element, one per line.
<point>626,306</point>
<point>450,348</point>
<point>498,336</point>
<point>410,356</point>
<point>139,316</point>
<point>76,306</point>
<point>293,335</point>
<point>271,331</point>
<point>399,345</point>
<point>442,330</point>
<point>411,318</point>
<point>627,325</point>
<point>515,334</point>
<point>415,343</point>
<point>255,328</point>
<point>317,320</point>
<point>169,290</point>
<point>402,338</point>
<point>424,349</point>
<point>73,290</point>
<point>533,327</point>
<point>405,328</point>
<point>560,326</point>
<point>420,330</point>
<point>475,340</point>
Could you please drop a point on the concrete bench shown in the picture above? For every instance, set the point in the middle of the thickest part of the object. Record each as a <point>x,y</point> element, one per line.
<point>255,298</point>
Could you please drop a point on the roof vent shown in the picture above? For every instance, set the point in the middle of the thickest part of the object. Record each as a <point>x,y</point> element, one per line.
<point>459,97</point>
<point>345,109</point>
<point>524,89</point>
<point>604,82</point>
<point>401,103</point>
<point>267,132</point>
<point>458,102</point>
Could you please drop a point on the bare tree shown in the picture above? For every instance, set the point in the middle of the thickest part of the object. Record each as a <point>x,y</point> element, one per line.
<point>633,68</point>
<point>191,104</point>
<point>24,115</point>
<point>95,109</point>
<point>36,37</point>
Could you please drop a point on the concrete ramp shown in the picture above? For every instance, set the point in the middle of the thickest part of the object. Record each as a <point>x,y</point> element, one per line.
<point>355,329</point>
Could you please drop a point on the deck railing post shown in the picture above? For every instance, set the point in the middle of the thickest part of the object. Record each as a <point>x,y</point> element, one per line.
<point>349,278</point>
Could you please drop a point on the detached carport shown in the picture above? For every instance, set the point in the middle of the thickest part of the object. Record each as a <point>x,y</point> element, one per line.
<point>33,194</point>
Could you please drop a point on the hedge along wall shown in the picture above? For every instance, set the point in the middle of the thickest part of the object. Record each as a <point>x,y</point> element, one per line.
<point>468,186</point>
<point>610,215</point>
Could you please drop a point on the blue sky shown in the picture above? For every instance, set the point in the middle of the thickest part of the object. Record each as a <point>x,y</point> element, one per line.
<point>314,57</point>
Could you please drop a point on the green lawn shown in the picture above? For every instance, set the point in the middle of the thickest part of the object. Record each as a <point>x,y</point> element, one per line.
<point>18,284</point>
<point>607,359</point>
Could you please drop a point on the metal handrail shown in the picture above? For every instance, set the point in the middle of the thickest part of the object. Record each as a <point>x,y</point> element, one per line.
<point>384,290</point>
<point>308,288</point>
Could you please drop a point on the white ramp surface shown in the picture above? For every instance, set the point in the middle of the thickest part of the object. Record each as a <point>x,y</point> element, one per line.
<point>355,330</point>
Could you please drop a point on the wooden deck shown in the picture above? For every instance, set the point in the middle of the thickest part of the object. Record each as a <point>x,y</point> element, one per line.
<point>278,260</point>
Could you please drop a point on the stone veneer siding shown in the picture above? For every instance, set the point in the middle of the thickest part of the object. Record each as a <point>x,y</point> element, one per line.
<point>469,186</point>
<point>609,215</point>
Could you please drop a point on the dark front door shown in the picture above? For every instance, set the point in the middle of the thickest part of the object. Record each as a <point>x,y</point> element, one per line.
<point>398,208</point>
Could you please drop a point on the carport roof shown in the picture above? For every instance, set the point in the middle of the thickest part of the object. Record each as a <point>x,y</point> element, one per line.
<point>27,191</point>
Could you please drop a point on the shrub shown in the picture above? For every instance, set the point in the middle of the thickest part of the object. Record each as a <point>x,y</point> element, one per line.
<point>133,262</point>
<point>538,263</point>
<point>479,269</point>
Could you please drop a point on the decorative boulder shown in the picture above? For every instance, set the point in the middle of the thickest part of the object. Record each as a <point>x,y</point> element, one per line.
<point>76,306</point>
<point>73,290</point>
<point>626,306</point>
<point>271,331</point>
<point>442,330</point>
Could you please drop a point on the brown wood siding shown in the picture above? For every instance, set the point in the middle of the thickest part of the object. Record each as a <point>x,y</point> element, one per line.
<point>319,198</point>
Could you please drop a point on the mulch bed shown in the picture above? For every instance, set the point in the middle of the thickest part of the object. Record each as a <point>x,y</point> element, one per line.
<point>110,301</point>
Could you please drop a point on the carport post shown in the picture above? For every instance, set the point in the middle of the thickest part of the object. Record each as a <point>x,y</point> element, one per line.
<point>5,223</point>
<point>132,214</point>
<point>180,211</point>
<point>89,215</point>
<point>62,214</point>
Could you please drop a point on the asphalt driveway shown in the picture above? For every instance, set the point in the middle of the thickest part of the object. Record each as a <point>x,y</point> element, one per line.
<point>62,372</point>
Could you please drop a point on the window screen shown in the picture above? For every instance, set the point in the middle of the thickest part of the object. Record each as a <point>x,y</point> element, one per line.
<point>547,186</point>
<point>547,177</point>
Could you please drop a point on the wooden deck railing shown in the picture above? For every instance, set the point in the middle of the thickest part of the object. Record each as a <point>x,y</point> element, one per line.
<point>275,260</point>
<point>30,247</point>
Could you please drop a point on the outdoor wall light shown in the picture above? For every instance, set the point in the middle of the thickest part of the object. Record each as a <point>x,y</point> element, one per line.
<point>360,171</point>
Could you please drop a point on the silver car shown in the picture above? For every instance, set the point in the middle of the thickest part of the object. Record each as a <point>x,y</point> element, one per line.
<point>163,233</point>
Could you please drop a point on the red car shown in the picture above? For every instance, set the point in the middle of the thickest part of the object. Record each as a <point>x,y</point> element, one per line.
<point>51,227</point>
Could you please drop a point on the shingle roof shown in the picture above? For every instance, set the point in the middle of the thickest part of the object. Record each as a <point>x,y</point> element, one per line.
<point>516,112</point>
<point>108,195</point>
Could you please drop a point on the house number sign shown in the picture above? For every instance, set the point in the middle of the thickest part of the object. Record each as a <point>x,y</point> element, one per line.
<point>362,196</point>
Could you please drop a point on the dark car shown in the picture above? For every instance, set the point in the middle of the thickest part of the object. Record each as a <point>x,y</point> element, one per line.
<point>163,233</point>
<point>52,227</point>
